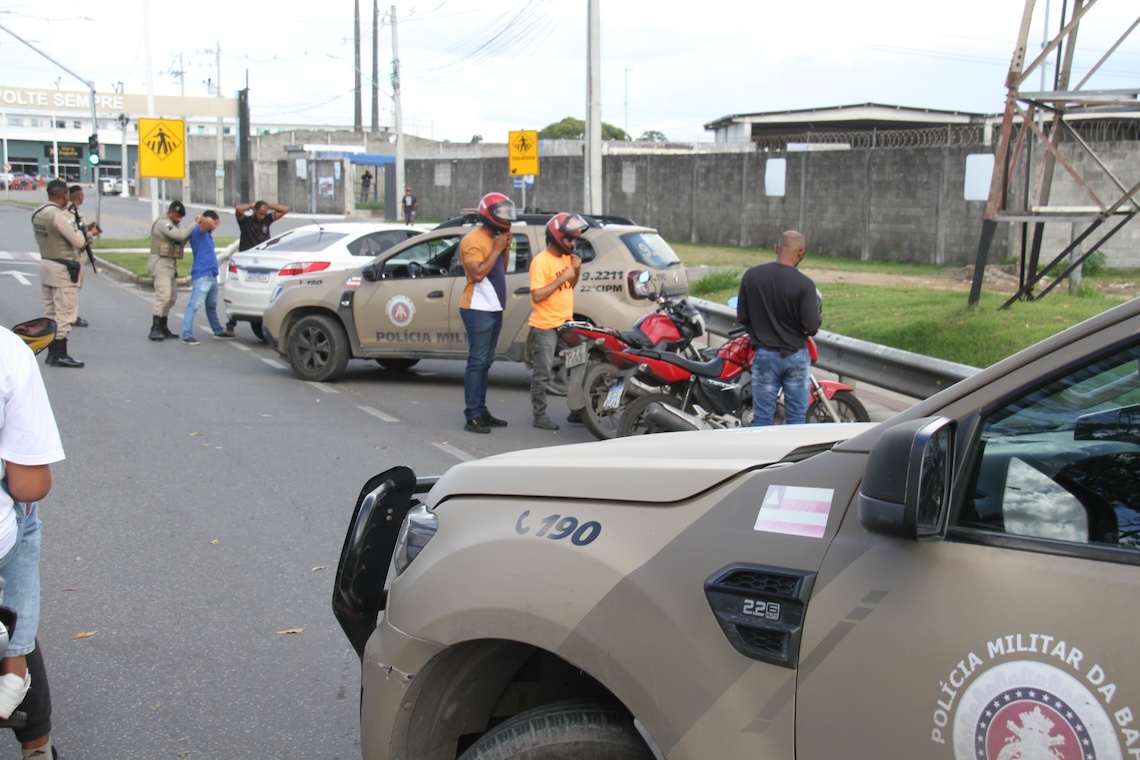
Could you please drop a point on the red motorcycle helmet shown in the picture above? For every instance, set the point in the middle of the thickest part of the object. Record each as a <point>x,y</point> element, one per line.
<point>497,211</point>
<point>563,229</point>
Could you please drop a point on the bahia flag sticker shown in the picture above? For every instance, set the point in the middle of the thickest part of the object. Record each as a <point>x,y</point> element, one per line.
<point>795,511</point>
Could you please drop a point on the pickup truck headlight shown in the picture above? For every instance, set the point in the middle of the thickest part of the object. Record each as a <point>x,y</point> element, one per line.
<point>419,526</point>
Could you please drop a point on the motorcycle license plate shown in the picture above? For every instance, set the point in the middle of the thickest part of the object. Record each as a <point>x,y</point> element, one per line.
<point>613,398</point>
<point>572,357</point>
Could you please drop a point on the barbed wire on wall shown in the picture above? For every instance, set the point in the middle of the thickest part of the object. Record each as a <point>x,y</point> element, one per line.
<point>971,135</point>
<point>927,137</point>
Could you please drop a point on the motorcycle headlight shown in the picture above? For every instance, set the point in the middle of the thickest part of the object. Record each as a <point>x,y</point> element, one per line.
<point>419,526</point>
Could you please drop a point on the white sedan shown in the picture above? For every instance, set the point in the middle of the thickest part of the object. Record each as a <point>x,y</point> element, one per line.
<point>254,274</point>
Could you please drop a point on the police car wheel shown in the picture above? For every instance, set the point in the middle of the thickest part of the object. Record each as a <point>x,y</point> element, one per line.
<point>563,730</point>
<point>318,348</point>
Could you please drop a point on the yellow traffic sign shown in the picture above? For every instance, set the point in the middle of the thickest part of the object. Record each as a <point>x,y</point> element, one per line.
<point>524,152</point>
<point>162,148</point>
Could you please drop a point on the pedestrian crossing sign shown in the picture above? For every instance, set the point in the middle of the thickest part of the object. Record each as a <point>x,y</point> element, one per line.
<point>162,148</point>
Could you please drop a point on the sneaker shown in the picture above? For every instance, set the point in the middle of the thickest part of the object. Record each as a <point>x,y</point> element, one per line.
<point>575,418</point>
<point>492,421</point>
<point>227,335</point>
<point>13,689</point>
<point>476,425</point>
<point>545,423</point>
<point>190,341</point>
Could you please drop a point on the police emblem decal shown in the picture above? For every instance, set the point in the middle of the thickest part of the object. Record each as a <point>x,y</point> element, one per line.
<point>1029,710</point>
<point>401,310</point>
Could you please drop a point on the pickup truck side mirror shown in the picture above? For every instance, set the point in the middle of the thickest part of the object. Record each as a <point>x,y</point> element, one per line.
<point>906,484</point>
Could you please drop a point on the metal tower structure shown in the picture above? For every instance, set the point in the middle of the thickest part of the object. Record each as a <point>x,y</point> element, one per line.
<point>1106,213</point>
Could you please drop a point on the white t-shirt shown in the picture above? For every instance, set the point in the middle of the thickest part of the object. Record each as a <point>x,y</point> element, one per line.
<point>28,433</point>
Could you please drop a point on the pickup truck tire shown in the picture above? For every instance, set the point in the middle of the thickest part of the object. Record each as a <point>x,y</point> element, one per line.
<point>318,348</point>
<point>255,325</point>
<point>563,731</point>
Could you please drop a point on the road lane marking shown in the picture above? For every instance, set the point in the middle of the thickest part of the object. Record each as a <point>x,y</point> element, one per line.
<point>459,454</point>
<point>273,363</point>
<point>322,387</point>
<point>378,414</point>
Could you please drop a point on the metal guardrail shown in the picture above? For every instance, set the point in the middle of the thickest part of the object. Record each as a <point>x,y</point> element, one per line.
<point>903,372</point>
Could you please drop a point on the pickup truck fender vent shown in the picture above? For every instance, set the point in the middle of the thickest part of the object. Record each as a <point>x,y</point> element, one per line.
<point>761,610</point>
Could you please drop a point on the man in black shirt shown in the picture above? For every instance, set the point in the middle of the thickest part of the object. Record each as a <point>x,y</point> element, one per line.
<point>253,221</point>
<point>780,307</point>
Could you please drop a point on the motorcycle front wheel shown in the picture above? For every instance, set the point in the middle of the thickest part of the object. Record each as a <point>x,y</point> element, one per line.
<point>849,409</point>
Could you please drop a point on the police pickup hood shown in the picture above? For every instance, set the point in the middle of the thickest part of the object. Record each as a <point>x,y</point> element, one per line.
<point>661,468</point>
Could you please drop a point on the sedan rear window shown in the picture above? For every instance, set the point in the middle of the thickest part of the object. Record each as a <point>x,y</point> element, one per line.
<point>315,240</point>
<point>651,250</point>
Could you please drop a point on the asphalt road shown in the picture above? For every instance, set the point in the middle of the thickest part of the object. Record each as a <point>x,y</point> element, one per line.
<point>192,533</point>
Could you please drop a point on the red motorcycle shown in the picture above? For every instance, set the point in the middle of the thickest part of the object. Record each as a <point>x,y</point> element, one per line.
<point>584,347</point>
<point>717,394</point>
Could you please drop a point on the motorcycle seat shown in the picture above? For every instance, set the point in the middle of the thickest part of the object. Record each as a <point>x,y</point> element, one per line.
<point>635,338</point>
<point>711,368</point>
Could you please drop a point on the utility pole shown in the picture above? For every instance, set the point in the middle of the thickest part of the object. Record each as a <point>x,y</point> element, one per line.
<point>358,113</point>
<point>220,155</point>
<point>149,106</point>
<point>94,117</point>
<point>375,66</point>
<point>593,199</point>
<point>396,104</point>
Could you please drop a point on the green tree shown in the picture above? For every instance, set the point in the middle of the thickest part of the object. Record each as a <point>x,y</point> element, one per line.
<point>652,135</point>
<point>476,139</point>
<point>575,129</point>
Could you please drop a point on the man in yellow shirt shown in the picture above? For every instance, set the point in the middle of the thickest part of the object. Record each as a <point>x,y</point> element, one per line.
<point>553,275</point>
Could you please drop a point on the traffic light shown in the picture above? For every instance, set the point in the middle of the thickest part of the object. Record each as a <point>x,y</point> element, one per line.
<point>93,150</point>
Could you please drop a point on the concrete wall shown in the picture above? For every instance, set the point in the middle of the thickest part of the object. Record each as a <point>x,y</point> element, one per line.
<point>903,204</point>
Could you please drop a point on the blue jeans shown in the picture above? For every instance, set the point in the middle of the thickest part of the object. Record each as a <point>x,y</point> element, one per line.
<point>770,372</point>
<point>21,573</point>
<point>202,289</point>
<point>483,328</point>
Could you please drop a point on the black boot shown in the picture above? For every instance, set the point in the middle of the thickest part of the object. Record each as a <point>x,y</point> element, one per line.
<point>156,329</point>
<point>166,330</point>
<point>53,353</point>
<point>61,357</point>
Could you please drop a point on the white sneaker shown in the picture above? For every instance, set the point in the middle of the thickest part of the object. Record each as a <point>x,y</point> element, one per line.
<point>12,692</point>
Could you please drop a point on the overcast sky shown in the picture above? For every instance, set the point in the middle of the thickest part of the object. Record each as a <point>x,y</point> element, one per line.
<point>471,67</point>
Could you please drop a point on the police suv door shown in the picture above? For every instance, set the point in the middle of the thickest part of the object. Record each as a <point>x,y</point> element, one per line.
<point>1015,635</point>
<point>409,306</point>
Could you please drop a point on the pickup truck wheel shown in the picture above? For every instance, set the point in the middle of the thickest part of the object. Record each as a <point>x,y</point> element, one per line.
<point>255,325</point>
<point>397,365</point>
<point>563,731</point>
<point>597,383</point>
<point>318,348</point>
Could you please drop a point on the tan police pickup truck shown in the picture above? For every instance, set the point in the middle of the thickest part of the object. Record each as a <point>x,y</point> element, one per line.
<point>954,583</point>
<point>403,306</point>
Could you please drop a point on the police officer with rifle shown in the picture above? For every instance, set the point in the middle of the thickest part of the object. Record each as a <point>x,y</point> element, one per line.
<point>76,194</point>
<point>61,243</point>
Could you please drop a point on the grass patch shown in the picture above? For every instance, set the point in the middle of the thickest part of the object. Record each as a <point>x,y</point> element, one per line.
<point>712,285</point>
<point>939,323</point>
<point>144,242</point>
<point>721,257</point>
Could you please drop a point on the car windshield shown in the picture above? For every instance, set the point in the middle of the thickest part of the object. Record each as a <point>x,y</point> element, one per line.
<point>312,240</point>
<point>651,250</point>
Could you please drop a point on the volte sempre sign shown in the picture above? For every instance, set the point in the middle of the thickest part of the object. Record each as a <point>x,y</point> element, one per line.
<point>162,148</point>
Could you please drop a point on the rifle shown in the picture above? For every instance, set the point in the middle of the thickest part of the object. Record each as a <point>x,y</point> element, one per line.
<point>87,246</point>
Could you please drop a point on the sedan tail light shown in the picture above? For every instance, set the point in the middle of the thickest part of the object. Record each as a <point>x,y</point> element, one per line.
<point>233,268</point>
<point>303,267</point>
